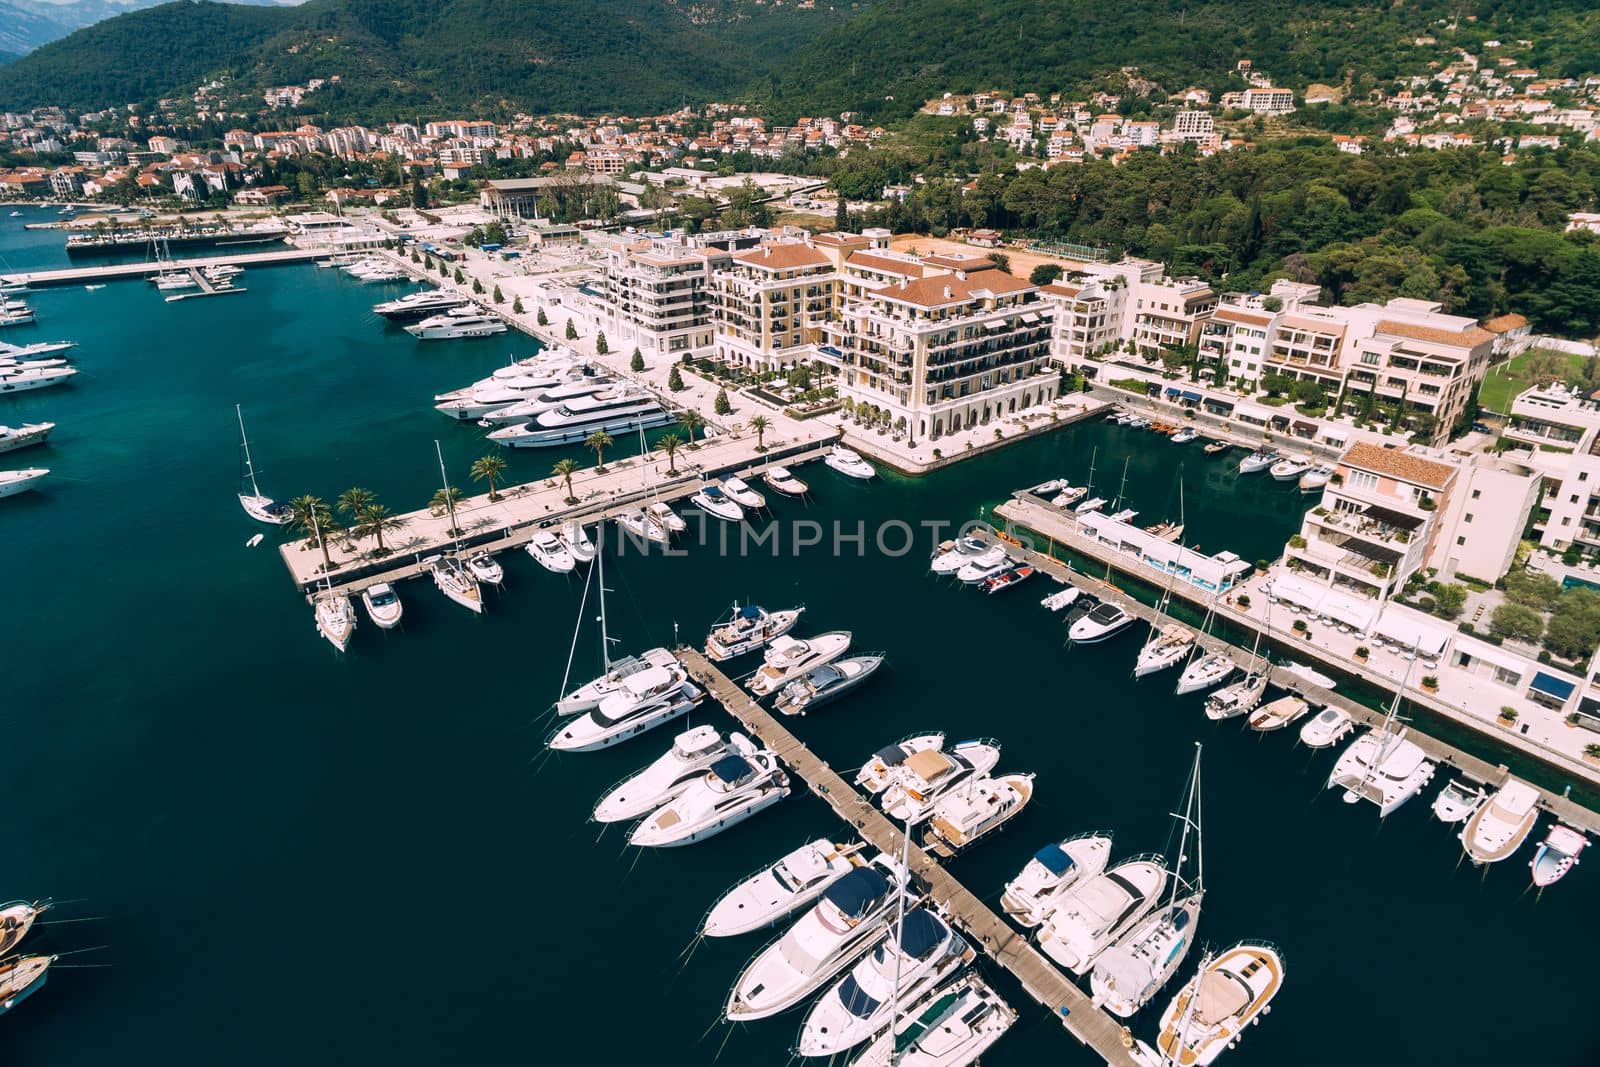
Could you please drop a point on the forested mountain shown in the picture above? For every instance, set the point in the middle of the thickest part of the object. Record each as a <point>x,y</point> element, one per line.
<point>29,24</point>
<point>23,30</point>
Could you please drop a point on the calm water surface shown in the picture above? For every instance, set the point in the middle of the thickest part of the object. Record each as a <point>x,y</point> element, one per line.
<point>313,859</point>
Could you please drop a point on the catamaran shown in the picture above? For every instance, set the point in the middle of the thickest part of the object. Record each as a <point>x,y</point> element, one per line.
<point>1382,765</point>
<point>258,507</point>
<point>773,892</point>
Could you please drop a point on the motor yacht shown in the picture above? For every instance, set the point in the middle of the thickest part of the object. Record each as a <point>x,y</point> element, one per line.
<point>383,605</point>
<point>1315,478</point>
<point>732,790</point>
<point>740,492</point>
<point>456,582</point>
<point>16,919</point>
<point>21,977</point>
<point>1125,515</point>
<point>35,349</point>
<point>616,410</point>
<point>849,463</point>
<point>550,551</point>
<point>1259,460</point>
<point>15,312</point>
<point>926,776</point>
<point>952,555</point>
<point>1208,670</point>
<point>692,753</point>
<point>450,327</point>
<point>1184,436</point>
<point>1277,714</point>
<point>783,481</point>
<point>485,568</point>
<point>714,502</point>
<point>221,272</point>
<point>1102,623</point>
<point>576,538</point>
<point>504,399</point>
<point>1381,766</point>
<point>1094,503</point>
<point>421,305</point>
<point>828,682</point>
<point>1167,647</point>
<point>828,938</point>
<point>1457,801</point>
<point>1051,487</point>
<point>788,658</point>
<point>21,381</point>
<point>1290,469</point>
<point>1237,699</point>
<point>950,1027</point>
<point>1309,674</point>
<point>1030,898</point>
<point>1090,916</point>
<point>13,438</point>
<point>1557,854</point>
<point>1500,826</point>
<point>11,365</point>
<point>1210,1013</point>
<point>782,888</point>
<point>1069,496</point>
<point>14,482</point>
<point>919,953</point>
<point>984,566</point>
<point>1328,728</point>
<point>537,400</point>
<point>664,516</point>
<point>641,701</point>
<point>1062,598</point>
<point>877,774</point>
<point>171,281</point>
<point>336,619</point>
<point>1008,578</point>
<point>978,808</point>
<point>747,629</point>
<point>588,695</point>
<point>1136,422</point>
<point>643,526</point>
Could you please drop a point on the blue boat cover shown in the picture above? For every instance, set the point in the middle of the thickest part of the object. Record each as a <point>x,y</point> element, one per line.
<point>750,611</point>
<point>731,769</point>
<point>856,893</point>
<point>922,931</point>
<point>1055,861</point>
<point>892,756</point>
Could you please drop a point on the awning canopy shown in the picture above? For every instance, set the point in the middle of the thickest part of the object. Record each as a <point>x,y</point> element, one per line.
<point>1551,686</point>
<point>1173,390</point>
<point>1390,517</point>
<point>1376,553</point>
<point>1191,396</point>
<point>1411,629</point>
<point>1353,611</point>
<point>1305,429</point>
<point>1298,591</point>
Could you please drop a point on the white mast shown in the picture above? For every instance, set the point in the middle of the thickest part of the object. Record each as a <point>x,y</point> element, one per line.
<point>605,635</point>
<point>249,464</point>
<point>899,936</point>
<point>1190,819</point>
<point>1116,505</point>
<point>449,499</point>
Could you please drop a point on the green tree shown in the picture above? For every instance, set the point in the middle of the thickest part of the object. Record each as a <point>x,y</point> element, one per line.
<point>541,319</point>
<point>600,346</point>
<point>1574,628</point>
<point>1000,260</point>
<point>458,277</point>
<point>599,441</point>
<point>670,443</point>
<point>572,331</point>
<point>499,297</point>
<point>444,500</point>
<point>722,405</point>
<point>353,501</point>
<point>419,195</point>
<point>1045,273</point>
<point>564,469</point>
<point>314,518</point>
<point>1516,621</point>
<point>841,216</point>
<point>636,364</point>
<point>489,468</point>
<point>675,380</point>
<point>1448,600</point>
<point>690,420</point>
<point>516,304</point>
<point>477,286</point>
<point>760,425</point>
<point>374,521</point>
<point>1537,591</point>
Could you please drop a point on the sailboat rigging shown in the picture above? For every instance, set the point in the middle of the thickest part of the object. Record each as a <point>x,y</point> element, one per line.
<point>258,507</point>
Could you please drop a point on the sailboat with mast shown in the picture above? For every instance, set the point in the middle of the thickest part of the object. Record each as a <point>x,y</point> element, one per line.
<point>1382,765</point>
<point>1133,970</point>
<point>258,507</point>
<point>1093,503</point>
<point>588,696</point>
<point>1118,512</point>
<point>450,574</point>
<point>1242,696</point>
<point>1164,646</point>
<point>335,614</point>
<point>1204,669</point>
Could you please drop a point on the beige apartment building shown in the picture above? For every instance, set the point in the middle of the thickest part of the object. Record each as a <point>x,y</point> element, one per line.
<point>658,298</point>
<point>771,303</point>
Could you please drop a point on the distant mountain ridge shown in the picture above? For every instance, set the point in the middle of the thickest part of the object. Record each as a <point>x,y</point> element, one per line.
<point>29,24</point>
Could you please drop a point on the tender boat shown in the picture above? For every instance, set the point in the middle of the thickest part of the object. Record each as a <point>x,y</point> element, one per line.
<point>1030,898</point>
<point>1216,446</point>
<point>1094,503</point>
<point>14,482</point>
<point>1240,698</point>
<point>733,789</point>
<point>1500,826</point>
<point>1061,599</point>
<point>1210,1013</point>
<point>1457,801</point>
<point>783,481</point>
<point>984,565</point>
<point>1257,461</point>
<point>1383,767</point>
<point>1328,728</point>
<point>485,568</point>
<point>919,953</point>
<point>926,776</point>
<point>950,1027</point>
<point>877,774</point>
<point>691,754</point>
<point>747,629</point>
<point>825,940</point>
<point>713,501</point>
<point>1184,436</point>
<point>16,919</point>
<point>740,492</point>
<point>1213,668</point>
<point>980,807</point>
<point>641,701</point>
<point>383,605</point>
<point>457,583</point>
<point>1309,674</point>
<point>1069,496</point>
<point>773,892</point>
<point>1278,713</point>
<point>1093,914</point>
<point>21,977</point>
<point>588,696</point>
<point>1054,485</point>
<point>849,463</point>
<point>549,549</point>
<point>663,515</point>
<point>1167,648</point>
<point>578,543</point>
<point>1008,578</point>
<point>788,658</point>
<point>827,682</point>
<point>336,619</point>
<point>1290,469</point>
<point>1315,478</point>
<point>953,555</point>
<point>1104,622</point>
<point>1557,854</point>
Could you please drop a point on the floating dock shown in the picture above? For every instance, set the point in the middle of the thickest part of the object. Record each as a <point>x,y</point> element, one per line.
<point>1007,946</point>
<point>106,272</point>
<point>206,286</point>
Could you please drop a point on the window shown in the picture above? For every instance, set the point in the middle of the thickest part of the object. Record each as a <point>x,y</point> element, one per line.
<point>1573,499</point>
<point>1506,676</point>
<point>1363,480</point>
<point>1566,522</point>
<point>1461,540</point>
<point>1468,518</point>
<point>1476,493</point>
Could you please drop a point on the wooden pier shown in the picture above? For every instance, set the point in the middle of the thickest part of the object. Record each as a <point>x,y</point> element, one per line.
<point>206,287</point>
<point>1005,945</point>
<point>106,272</point>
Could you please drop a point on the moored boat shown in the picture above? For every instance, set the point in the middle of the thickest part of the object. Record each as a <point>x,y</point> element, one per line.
<point>975,810</point>
<point>453,579</point>
<point>950,1027</point>
<point>1500,826</point>
<point>1166,648</point>
<point>777,890</point>
<point>1259,460</point>
<point>1328,727</point>
<point>1211,1012</point>
<point>1030,898</point>
<point>733,789</point>
<point>691,754</point>
<point>1557,854</point>
<point>742,493</point>
<point>849,463</point>
<point>641,701</point>
<point>16,919</point>
<point>877,774</point>
<point>1006,579</point>
<point>486,568</point>
<point>918,783</point>
<point>336,619</point>
<point>1457,801</point>
<point>549,549</point>
<point>787,658</point>
<point>1090,916</point>
<point>1277,714</point>
<point>383,605</point>
<point>1102,623</point>
<point>714,502</point>
<point>21,977</point>
<point>782,480</point>
<point>828,682</point>
<point>748,628</point>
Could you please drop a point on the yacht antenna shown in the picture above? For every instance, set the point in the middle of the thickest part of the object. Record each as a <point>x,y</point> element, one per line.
<point>449,498</point>
<point>249,465</point>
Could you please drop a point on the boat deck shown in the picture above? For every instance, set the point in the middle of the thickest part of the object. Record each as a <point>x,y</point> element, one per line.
<point>1005,945</point>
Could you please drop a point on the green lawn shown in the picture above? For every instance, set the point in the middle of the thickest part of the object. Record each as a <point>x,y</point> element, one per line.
<point>1505,382</point>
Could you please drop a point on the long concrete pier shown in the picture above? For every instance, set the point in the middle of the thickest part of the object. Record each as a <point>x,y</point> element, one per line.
<point>1561,806</point>
<point>1006,946</point>
<point>104,272</point>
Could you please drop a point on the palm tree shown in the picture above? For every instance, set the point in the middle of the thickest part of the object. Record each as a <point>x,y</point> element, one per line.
<point>488,468</point>
<point>691,421</point>
<point>352,502</point>
<point>564,469</point>
<point>445,500</point>
<point>760,425</point>
<point>374,520</point>
<point>314,518</point>
<point>670,445</point>
<point>599,441</point>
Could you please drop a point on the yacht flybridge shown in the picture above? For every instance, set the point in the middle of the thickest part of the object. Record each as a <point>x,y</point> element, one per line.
<point>691,754</point>
<point>1090,916</point>
<point>924,777</point>
<point>588,696</point>
<point>877,774</point>
<point>950,1027</point>
<point>1030,898</point>
<point>788,658</point>
<point>731,790</point>
<point>951,556</point>
<point>773,892</point>
<point>748,628</point>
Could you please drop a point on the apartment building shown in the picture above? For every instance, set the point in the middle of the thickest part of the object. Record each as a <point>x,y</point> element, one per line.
<point>771,303</point>
<point>658,298</point>
<point>1167,313</point>
<point>1263,100</point>
<point>1557,434</point>
<point>1089,313</point>
<point>1193,125</point>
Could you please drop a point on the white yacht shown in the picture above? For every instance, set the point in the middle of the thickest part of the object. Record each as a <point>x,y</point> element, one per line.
<point>457,583</point>
<point>1315,478</point>
<point>1094,503</point>
<point>336,619</point>
<point>1278,714</point>
<point>1328,728</point>
<point>1457,801</point>
<point>21,381</point>
<point>1259,460</point>
<point>11,364</point>
<point>517,393</point>
<point>978,808</point>
<point>616,411</point>
<point>1125,515</point>
<point>714,502</point>
<point>257,506</point>
<point>1050,487</point>
<point>1557,854</point>
<point>1184,436</point>
<point>171,281</point>
<point>783,481</point>
<point>1104,622</point>
<point>984,565</point>
<point>952,555</point>
<point>15,312</point>
<point>787,658</point>
<point>1381,766</point>
<point>692,753</point>
<point>588,696</point>
<point>919,953</point>
<point>641,701</point>
<point>578,543</point>
<point>828,682</point>
<point>1095,913</point>
<point>1499,827</point>
<point>456,324</point>
<point>1062,598</point>
<point>536,400</point>
<point>735,787</point>
<point>35,349</point>
<point>1167,647</point>
<point>775,891</point>
<point>829,937</point>
<point>16,919</point>
<point>1290,468</point>
<point>221,272</point>
<point>421,305</point>
<point>14,482</point>
<point>1031,896</point>
<point>551,552</point>
<point>485,568</point>
<point>747,629</point>
<point>1309,674</point>
<point>661,512</point>
<point>29,433</point>
<point>644,526</point>
<point>926,776</point>
<point>1203,672</point>
<point>1240,698</point>
<point>1211,1011</point>
<point>1070,496</point>
<point>849,463</point>
<point>383,605</point>
<point>740,492</point>
<point>877,774</point>
<point>950,1027</point>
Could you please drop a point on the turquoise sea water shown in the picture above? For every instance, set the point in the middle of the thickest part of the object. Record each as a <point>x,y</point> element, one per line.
<point>307,858</point>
